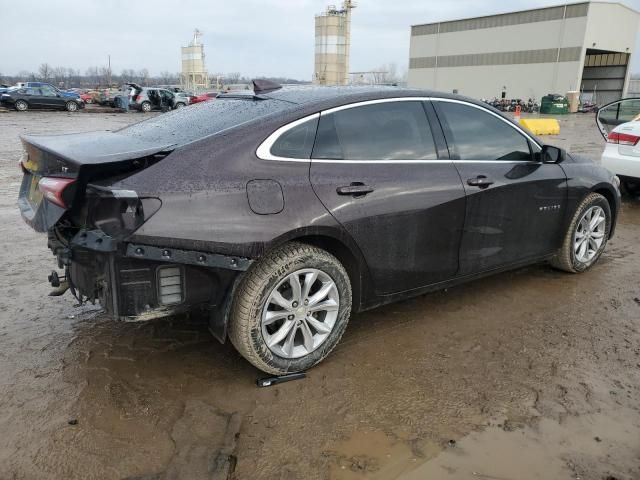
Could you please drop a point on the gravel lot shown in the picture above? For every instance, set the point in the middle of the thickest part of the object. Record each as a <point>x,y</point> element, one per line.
<point>533,374</point>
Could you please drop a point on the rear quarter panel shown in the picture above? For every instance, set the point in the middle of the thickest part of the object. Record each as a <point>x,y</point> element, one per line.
<point>203,188</point>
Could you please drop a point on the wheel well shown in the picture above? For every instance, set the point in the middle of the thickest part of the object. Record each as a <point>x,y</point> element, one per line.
<point>606,193</point>
<point>346,258</point>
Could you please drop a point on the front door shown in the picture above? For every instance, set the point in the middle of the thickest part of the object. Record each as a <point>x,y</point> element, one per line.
<point>376,168</point>
<point>515,203</point>
<point>51,98</point>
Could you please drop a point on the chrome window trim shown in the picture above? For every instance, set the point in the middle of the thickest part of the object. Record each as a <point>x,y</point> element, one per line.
<point>515,127</point>
<point>264,150</point>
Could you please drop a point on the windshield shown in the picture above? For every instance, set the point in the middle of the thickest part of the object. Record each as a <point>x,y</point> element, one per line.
<point>184,126</point>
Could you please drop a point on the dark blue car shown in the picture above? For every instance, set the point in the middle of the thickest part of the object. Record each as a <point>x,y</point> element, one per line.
<point>62,93</point>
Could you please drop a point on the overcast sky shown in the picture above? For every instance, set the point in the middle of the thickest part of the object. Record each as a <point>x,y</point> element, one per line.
<point>253,37</point>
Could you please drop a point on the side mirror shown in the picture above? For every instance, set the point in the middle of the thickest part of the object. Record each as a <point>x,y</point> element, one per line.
<point>551,154</point>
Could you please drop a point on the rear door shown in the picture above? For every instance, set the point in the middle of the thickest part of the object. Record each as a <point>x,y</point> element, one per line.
<point>382,171</point>
<point>515,204</point>
<point>34,96</point>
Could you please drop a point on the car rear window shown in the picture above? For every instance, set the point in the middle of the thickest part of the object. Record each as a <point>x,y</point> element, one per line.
<point>187,125</point>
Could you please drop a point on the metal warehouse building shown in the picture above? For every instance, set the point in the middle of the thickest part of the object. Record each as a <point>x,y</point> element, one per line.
<point>580,46</point>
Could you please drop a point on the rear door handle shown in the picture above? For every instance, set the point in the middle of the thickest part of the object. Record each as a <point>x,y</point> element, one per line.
<point>355,189</point>
<point>480,181</point>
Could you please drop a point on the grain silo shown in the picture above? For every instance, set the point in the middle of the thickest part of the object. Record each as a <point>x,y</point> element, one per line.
<point>333,39</point>
<point>194,70</point>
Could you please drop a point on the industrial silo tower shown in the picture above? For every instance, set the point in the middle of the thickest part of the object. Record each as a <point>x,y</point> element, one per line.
<point>333,39</point>
<point>194,71</point>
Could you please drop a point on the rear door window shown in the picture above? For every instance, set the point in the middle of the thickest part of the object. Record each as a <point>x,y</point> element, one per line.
<point>479,135</point>
<point>376,132</point>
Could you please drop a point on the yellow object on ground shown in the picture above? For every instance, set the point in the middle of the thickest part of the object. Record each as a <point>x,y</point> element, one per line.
<point>541,126</point>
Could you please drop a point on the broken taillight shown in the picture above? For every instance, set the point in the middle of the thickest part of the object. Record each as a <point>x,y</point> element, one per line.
<point>623,139</point>
<point>53,189</point>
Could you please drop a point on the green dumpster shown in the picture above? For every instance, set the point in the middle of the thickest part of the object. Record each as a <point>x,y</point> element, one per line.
<point>554,105</point>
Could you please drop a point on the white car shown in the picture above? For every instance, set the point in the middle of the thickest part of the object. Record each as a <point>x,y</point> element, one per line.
<point>619,123</point>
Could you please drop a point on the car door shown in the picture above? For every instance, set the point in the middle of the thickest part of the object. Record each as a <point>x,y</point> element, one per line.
<point>515,203</point>
<point>34,97</point>
<point>616,113</point>
<point>381,170</point>
<point>51,98</point>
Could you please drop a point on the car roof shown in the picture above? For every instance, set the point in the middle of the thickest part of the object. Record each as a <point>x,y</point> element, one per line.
<point>269,110</point>
<point>311,94</point>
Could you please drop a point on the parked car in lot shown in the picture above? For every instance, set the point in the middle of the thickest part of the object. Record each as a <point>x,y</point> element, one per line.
<point>203,97</point>
<point>280,212</point>
<point>107,97</point>
<point>44,97</point>
<point>62,93</point>
<point>619,123</point>
<point>146,99</point>
<point>86,97</point>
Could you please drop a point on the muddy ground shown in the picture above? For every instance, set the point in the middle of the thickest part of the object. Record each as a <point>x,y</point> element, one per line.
<point>533,374</point>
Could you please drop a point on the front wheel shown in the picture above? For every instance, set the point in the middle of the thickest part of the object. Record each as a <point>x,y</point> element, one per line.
<point>72,106</point>
<point>291,309</point>
<point>21,106</point>
<point>586,237</point>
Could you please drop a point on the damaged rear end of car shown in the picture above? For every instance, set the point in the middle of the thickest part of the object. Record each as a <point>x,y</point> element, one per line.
<point>70,193</point>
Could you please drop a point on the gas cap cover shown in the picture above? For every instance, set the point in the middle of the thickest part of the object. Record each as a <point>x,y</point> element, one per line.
<point>265,197</point>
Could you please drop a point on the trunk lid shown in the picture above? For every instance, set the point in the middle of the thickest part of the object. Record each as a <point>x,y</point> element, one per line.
<point>84,157</point>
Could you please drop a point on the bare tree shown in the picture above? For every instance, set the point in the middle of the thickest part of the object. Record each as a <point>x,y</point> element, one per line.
<point>143,76</point>
<point>104,75</point>
<point>44,71</point>
<point>59,75</point>
<point>232,78</point>
<point>128,75</point>
<point>93,76</point>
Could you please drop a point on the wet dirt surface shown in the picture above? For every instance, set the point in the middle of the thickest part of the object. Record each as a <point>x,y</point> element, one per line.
<point>533,374</point>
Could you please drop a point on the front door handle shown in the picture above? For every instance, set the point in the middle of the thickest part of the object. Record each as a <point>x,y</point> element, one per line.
<point>480,181</point>
<point>356,189</point>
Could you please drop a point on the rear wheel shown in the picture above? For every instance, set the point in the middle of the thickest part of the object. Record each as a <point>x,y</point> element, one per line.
<point>72,106</point>
<point>145,107</point>
<point>291,309</point>
<point>21,106</point>
<point>180,105</point>
<point>586,237</point>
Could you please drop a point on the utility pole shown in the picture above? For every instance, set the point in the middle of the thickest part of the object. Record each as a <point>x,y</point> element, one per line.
<point>109,70</point>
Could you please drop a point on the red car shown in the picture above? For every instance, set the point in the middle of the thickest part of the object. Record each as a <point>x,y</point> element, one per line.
<point>203,97</point>
<point>86,98</point>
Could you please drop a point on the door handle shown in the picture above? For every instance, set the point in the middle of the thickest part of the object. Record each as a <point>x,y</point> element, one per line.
<point>480,181</point>
<point>356,189</point>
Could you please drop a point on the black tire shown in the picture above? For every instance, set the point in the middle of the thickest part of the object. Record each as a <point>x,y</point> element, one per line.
<point>21,106</point>
<point>180,105</point>
<point>245,327</point>
<point>566,258</point>
<point>145,107</point>
<point>71,107</point>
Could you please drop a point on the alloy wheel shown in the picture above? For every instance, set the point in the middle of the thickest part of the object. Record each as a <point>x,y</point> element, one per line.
<point>300,313</point>
<point>590,234</point>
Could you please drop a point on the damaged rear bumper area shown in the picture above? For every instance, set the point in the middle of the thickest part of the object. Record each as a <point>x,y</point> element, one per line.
<point>135,282</point>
